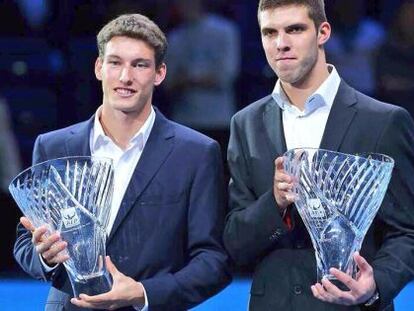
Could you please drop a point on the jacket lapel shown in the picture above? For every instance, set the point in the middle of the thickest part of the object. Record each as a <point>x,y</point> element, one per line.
<point>340,118</point>
<point>158,147</point>
<point>273,127</point>
<point>77,144</point>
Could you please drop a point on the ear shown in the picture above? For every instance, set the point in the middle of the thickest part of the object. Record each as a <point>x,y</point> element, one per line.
<point>98,68</point>
<point>160,74</point>
<point>324,33</point>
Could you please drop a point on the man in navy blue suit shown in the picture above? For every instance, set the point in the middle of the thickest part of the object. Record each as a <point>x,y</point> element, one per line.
<point>164,233</point>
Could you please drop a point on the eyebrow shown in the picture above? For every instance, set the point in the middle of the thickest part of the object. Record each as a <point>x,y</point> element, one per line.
<point>140,59</point>
<point>294,25</point>
<point>113,56</point>
<point>297,25</point>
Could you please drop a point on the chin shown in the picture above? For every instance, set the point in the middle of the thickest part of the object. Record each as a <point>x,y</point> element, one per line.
<point>287,79</point>
<point>291,78</point>
<point>129,109</point>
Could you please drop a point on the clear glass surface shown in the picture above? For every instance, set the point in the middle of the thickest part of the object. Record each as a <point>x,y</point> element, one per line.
<point>72,196</point>
<point>337,196</point>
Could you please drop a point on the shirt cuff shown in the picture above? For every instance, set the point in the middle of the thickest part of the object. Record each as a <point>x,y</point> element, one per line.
<point>46,267</point>
<point>145,306</point>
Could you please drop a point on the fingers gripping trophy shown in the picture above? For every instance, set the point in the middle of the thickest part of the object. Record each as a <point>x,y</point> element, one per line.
<point>337,196</point>
<point>72,196</point>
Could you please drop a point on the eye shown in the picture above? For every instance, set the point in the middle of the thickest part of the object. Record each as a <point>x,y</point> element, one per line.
<point>268,32</point>
<point>295,29</point>
<point>141,65</point>
<point>114,62</point>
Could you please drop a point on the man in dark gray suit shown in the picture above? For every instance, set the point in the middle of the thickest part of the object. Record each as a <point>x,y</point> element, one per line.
<point>312,107</point>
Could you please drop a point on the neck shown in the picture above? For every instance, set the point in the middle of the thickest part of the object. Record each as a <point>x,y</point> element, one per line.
<point>300,91</point>
<point>122,126</point>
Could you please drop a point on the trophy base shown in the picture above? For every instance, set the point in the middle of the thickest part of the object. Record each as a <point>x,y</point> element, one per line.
<point>92,286</point>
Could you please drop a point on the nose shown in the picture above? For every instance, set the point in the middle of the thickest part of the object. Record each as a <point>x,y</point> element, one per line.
<point>282,42</point>
<point>125,76</point>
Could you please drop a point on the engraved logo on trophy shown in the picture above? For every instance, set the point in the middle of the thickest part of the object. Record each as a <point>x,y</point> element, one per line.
<point>315,208</point>
<point>69,217</point>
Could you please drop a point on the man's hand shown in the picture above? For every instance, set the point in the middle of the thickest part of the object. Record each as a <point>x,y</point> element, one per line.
<point>49,247</point>
<point>360,291</point>
<point>282,186</point>
<point>125,292</point>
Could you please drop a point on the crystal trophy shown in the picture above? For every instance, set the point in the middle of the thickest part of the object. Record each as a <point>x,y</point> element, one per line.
<point>337,196</point>
<point>72,196</point>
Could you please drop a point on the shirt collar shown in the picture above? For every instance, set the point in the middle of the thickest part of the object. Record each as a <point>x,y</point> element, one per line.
<point>98,136</point>
<point>323,96</point>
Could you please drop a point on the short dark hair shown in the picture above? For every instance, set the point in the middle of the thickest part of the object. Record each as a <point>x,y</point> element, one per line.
<point>316,8</point>
<point>135,26</point>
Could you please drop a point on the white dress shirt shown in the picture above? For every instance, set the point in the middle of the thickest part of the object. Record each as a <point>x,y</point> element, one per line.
<point>305,128</point>
<point>124,162</point>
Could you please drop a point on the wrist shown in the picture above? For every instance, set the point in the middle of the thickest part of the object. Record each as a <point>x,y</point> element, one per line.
<point>46,262</point>
<point>46,266</point>
<point>373,299</point>
<point>139,300</point>
<point>280,205</point>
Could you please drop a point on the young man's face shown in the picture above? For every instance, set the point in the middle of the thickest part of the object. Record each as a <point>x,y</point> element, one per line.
<point>291,42</point>
<point>128,74</point>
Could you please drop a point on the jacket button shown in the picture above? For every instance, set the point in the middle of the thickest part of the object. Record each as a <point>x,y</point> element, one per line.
<point>300,245</point>
<point>297,289</point>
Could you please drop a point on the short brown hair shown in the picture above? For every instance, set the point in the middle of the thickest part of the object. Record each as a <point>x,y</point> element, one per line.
<point>316,8</point>
<point>135,26</point>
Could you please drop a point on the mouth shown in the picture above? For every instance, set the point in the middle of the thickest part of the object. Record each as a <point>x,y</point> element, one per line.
<point>285,59</point>
<point>124,92</point>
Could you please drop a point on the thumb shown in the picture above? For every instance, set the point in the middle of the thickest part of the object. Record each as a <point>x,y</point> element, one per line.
<point>26,223</point>
<point>111,267</point>
<point>279,163</point>
<point>362,264</point>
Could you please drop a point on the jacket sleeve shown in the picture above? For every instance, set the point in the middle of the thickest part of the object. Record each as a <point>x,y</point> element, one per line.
<point>253,224</point>
<point>207,270</point>
<point>394,262</point>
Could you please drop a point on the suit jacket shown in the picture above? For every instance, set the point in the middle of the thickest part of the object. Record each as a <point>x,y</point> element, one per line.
<point>168,231</point>
<point>284,263</point>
